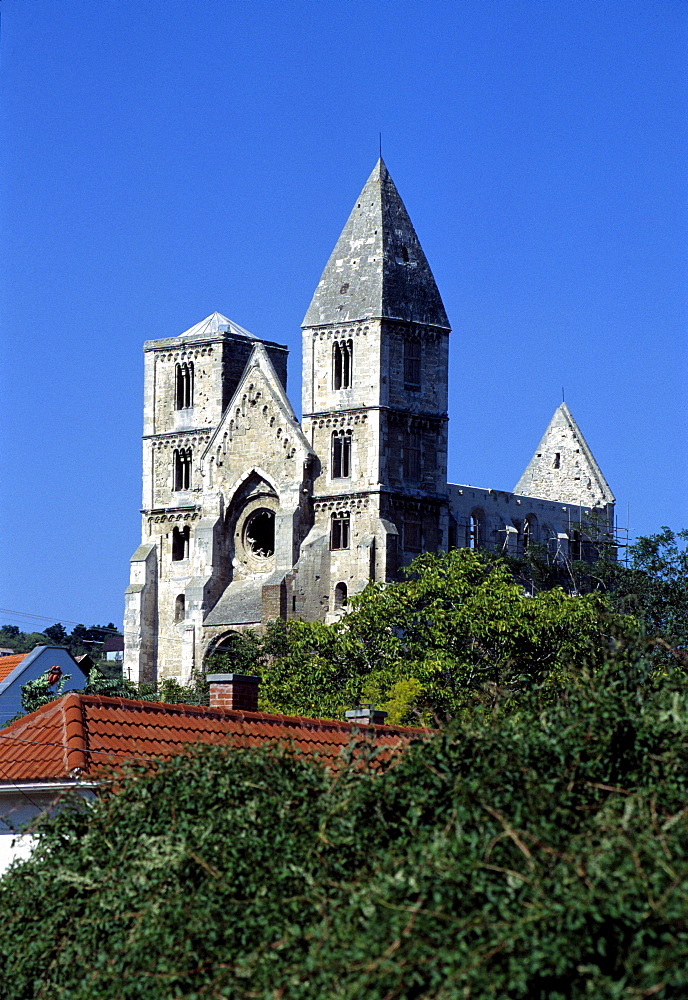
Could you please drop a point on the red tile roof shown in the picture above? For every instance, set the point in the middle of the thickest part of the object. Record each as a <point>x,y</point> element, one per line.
<point>8,663</point>
<point>84,732</point>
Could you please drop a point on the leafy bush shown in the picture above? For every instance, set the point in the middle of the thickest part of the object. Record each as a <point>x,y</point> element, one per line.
<point>41,691</point>
<point>534,855</point>
<point>459,627</point>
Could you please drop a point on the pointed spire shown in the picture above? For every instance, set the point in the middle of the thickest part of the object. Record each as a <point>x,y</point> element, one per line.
<point>563,467</point>
<point>377,268</point>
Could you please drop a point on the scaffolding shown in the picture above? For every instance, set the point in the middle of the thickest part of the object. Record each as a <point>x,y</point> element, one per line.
<point>588,536</point>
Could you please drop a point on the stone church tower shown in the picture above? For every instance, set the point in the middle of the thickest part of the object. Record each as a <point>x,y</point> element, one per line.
<point>375,371</point>
<point>248,515</point>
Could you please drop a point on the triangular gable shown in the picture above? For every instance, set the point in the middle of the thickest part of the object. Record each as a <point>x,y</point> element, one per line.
<point>563,468</point>
<point>259,409</point>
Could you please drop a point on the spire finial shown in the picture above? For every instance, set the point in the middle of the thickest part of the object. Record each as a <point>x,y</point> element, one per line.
<point>380,138</point>
<point>563,398</point>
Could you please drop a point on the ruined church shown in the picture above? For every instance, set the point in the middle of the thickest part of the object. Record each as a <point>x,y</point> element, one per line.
<point>250,515</point>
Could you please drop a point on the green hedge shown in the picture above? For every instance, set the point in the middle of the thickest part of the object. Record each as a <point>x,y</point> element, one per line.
<point>539,855</point>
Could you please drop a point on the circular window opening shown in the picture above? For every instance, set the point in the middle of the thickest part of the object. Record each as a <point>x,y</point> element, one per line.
<point>259,534</point>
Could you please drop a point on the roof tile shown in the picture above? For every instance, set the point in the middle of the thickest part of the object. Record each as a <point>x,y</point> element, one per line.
<point>88,731</point>
<point>8,663</point>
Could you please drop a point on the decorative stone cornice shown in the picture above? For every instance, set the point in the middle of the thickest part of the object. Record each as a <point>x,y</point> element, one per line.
<point>348,419</point>
<point>180,352</point>
<point>350,502</point>
<point>172,439</point>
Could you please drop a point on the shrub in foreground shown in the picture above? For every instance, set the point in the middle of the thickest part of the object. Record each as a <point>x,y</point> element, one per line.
<point>539,855</point>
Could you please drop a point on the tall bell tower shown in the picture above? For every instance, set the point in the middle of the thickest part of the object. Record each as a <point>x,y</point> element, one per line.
<point>375,357</point>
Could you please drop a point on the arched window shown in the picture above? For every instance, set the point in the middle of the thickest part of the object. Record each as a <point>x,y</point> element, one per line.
<point>182,469</point>
<point>179,608</point>
<point>184,379</point>
<point>180,543</point>
<point>340,596</point>
<point>476,530</point>
<point>341,454</point>
<point>342,364</point>
<point>259,533</point>
<point>339,533</point>
<point>412,364</point>
<point>226,646</point>
<point>530,531</point>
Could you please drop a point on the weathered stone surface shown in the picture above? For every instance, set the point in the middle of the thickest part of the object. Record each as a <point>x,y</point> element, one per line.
<point>378,268</point>
<point>563,467</point>
<point>248,515</point>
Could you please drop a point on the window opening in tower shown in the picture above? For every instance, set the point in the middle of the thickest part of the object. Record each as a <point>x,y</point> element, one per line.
<point>184,378</point>
<point>412,364</point>
<point>413,534</point>
<point>180,543</point>
<point>182,469</point>
<point>339,538</point>
<point>341,455</point>
<point>342,361</point>
<point>412,458</point>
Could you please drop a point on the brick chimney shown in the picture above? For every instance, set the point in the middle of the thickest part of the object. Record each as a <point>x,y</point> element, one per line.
<point>366,715</point>
<point>237,691</point>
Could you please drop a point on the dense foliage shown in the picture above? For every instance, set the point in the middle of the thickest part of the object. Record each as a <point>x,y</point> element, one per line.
<point>649,580</point>
<point>458,627</point>
<point>534,855</point>
<point>653,586</point>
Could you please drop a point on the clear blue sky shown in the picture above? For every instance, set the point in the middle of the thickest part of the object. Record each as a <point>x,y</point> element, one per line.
<point>162,160</point>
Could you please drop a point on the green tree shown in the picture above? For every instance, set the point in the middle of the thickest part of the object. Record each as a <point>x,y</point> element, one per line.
<point>9,637</point>
<point>21,642</point>
<point>457,628</point>
<point>112,687</point>
<point>57,634</point>
<point>89,640</point>
<point>537,854</point>
<point>653,587</point>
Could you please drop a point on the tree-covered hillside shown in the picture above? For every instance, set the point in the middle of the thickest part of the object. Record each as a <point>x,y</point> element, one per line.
<point>79,641</point>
